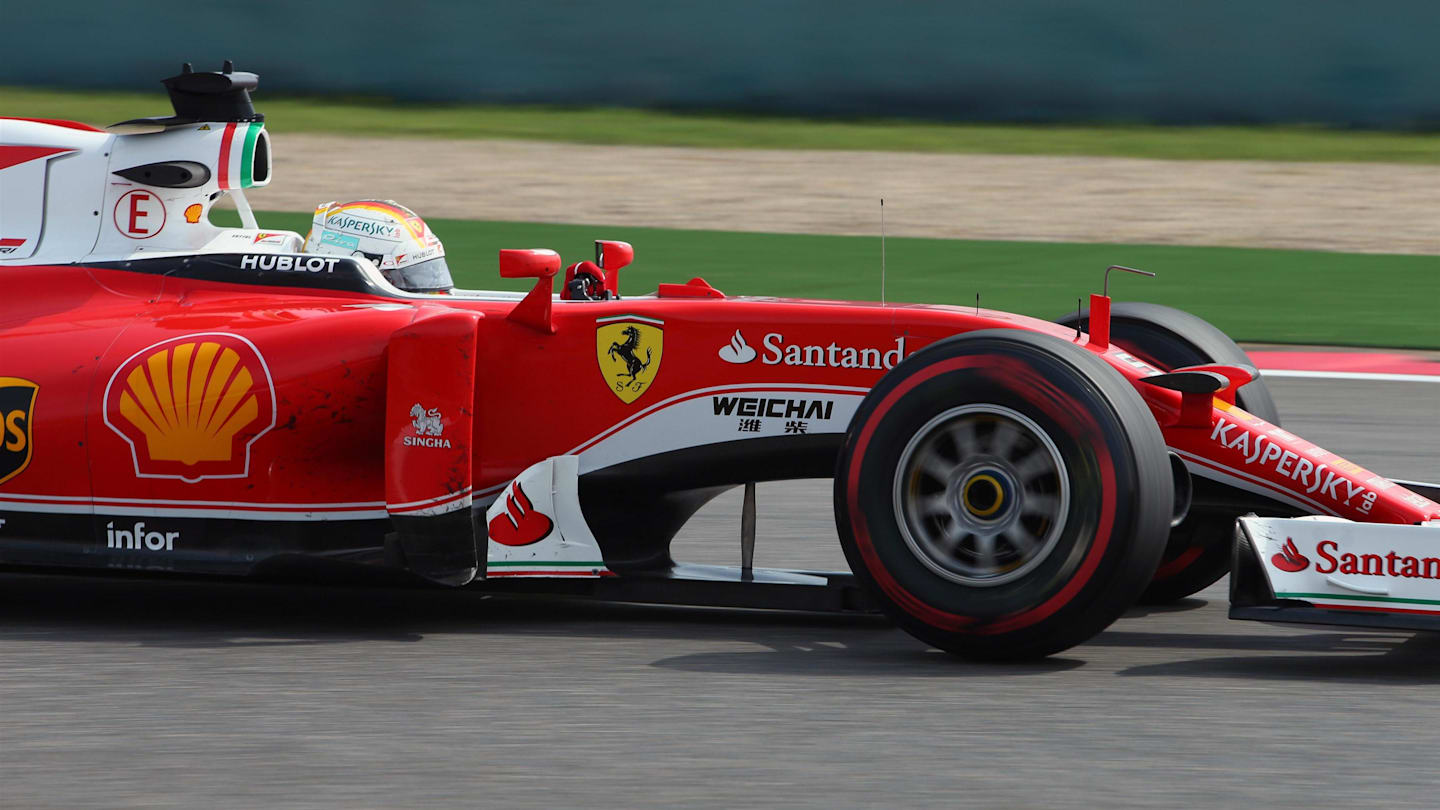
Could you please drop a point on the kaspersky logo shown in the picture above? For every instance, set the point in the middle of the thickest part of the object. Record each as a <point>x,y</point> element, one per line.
<point>1289,558</point>
<point>191,407</point>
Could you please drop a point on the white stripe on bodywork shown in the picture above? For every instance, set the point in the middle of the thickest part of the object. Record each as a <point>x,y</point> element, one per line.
<point>1349,375</point>
<point>460,497</point>
<point>609,446</point>
<point>640,318</point>
<point>235,510</point>
<point>693,422</point>
<point>1206,468</point>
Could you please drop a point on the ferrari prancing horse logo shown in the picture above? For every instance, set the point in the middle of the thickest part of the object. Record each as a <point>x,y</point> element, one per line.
<point>628,348</point>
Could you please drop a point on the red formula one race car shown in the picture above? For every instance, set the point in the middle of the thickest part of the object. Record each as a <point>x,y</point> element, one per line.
<point>235,401</point>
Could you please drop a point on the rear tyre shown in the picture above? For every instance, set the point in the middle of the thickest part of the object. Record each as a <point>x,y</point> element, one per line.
<point>1198,553</point>
<point>1003,494</point>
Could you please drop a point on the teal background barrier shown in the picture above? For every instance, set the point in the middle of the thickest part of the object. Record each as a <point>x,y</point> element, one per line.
<point>1340,62</point>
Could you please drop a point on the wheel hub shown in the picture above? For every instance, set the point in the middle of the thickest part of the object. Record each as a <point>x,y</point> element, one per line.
<point>981,494</point>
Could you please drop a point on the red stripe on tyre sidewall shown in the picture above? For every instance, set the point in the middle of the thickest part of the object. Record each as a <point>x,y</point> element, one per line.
<point>912,604</point>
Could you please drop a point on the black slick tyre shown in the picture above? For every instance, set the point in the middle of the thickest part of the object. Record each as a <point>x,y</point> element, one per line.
<point>1003,494</point>
<point>1198,553</point>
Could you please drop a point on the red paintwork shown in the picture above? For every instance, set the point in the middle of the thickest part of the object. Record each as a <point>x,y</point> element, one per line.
<point>69,328</point>
<point>56,122</point>
<point>613,256</point>
<point>520,525</point>
<point>694,288</point>
<point>431,380</point>
<point>1099,321</point>
<point>540,264</point>
<point>222,167</point>
<point>15,155</point>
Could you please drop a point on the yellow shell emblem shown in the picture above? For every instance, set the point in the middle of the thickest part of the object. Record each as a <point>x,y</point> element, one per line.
<point>191,408</point>
<point>629,349</point>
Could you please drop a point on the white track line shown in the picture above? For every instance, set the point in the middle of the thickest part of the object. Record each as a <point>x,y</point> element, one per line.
<point>1350,375</point>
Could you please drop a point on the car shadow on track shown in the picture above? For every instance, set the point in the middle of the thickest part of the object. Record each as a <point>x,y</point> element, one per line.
<point>1326,642</point>
<point>895,657</point>
<point>1366,659</point>
<point>190,613</point>
<point>218,614</point>
<point>221,614</point>
<point>1178,606</point>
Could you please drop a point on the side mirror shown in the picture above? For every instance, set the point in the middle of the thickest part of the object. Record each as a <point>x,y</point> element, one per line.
<point>541,265</point>
<point>611,256</point>
<point>533,263</point>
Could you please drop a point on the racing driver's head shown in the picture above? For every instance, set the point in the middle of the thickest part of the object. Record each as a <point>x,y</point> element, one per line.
<point>387,233</point>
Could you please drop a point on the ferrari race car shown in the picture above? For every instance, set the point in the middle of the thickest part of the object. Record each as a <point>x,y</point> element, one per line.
<point>180,397</point>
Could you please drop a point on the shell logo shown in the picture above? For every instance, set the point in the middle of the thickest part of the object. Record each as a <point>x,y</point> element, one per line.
<point>191,407</point>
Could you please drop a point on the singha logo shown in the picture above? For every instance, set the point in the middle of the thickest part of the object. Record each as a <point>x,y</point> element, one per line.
<point>1289,558</point>
<point>429,427</point>
<point>426,423</point>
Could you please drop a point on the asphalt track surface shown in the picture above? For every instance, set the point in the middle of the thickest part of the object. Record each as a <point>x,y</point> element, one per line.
<point>124,693</point>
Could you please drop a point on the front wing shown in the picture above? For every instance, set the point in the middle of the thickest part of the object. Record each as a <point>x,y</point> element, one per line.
<point>1317,570</point>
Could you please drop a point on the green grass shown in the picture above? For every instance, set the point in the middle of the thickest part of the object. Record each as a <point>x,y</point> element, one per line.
<point>652,128</point>
<point>1279,296</point>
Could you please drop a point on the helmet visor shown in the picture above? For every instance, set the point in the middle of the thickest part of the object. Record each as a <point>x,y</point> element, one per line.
<point>427,276</point>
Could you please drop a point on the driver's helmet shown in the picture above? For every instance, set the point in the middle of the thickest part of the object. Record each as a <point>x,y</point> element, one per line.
<point>387,233</point>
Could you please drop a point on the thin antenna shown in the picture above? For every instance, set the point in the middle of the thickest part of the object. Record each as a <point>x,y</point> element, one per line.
<point>1106,290</point>
<point>977,303</point>
<point>882,251</point>
<point>1077,318</point>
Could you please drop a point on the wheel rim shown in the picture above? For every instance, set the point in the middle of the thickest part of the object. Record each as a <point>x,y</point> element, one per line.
<point>981,495</point>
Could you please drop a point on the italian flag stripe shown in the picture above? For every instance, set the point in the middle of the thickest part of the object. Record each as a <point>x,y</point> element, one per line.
<point>1388,599</point>
<point>1375,609</point>
<point>247,156</point>
<point>236,166</point>
<point>547,572</point>
<point>546,564</point>
<point>223,165</point>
